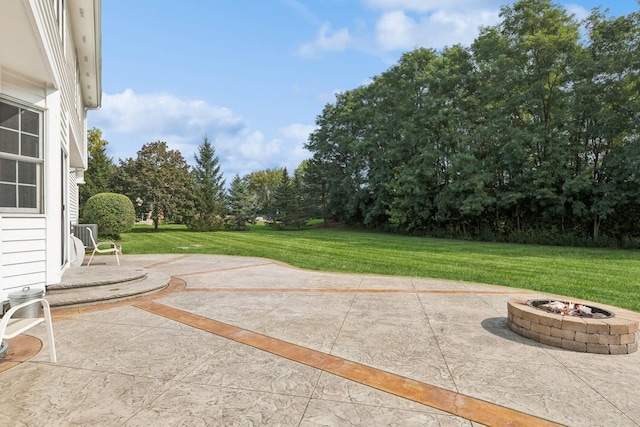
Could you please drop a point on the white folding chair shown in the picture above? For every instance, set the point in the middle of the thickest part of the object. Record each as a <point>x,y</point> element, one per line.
<point>11,328</point>
<point>112,248</point>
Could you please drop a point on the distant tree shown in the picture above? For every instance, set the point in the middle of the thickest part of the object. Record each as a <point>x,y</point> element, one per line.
<point>242,204</point>
<point>208,190</point>
<point>606,110</point>
<point>288,207</point>
<point>157,181</point>
<point>315,181</point>
<point>100,168</point>
<point>125,181</point>
<point>262,185</point>
<point>311,204</point>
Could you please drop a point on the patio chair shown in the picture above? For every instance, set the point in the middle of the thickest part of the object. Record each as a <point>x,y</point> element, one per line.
<point>11,328</point>
<point>112,247</point>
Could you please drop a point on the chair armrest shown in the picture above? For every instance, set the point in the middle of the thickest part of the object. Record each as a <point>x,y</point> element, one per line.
<point>15,308</point>
<point>10,328</point>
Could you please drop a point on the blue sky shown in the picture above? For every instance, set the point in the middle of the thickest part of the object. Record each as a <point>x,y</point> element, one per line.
<point>253,75</point>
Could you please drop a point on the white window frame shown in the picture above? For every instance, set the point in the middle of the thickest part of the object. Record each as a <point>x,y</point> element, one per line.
<point>38,161</point>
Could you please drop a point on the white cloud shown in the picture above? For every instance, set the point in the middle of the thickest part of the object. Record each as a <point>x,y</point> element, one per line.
<point>253,152</point>
<point>302,10</point>
<point>412,5</point>
<point>326,41</point>
<point>430,5</point>
<point>401,25</point>
<point>398,30</point>
<point>395,30</point>
<point>293,138</point>
<point>297,132</point>
<point>132,112</point>
<point>577,10</point>
<point>129,120</point>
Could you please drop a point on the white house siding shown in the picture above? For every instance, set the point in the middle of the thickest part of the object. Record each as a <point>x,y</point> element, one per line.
<point>72,204</point>
<point>55,68</point>
<point>22,254</point>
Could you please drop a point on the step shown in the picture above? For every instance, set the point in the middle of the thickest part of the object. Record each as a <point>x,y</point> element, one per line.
<point>96,294</point>
<point>100,275</point>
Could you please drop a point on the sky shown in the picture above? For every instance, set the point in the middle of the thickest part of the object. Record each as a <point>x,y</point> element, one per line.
<point>253,75</point>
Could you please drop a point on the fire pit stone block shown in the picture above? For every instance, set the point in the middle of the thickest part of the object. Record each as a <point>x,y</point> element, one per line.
<point>573,324</point>
<point>597,327</point>
<point>598,348</point>
<point>612,335</point>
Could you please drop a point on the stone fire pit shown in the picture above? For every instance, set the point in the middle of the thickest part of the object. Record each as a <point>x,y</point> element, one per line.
<point>596,330</point>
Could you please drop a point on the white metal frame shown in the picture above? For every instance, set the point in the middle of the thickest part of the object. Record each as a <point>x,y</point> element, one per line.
<point>113,248</point>
<point>11,328</point>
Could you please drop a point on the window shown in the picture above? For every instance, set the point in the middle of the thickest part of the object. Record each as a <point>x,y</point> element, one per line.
<point>21,158</point>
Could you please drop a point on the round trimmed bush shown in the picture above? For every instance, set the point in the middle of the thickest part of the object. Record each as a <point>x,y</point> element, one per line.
<point>114,213</point>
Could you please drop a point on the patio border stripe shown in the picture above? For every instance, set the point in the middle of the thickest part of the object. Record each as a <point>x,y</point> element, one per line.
<point>449,401</point>
<point>21,349</point>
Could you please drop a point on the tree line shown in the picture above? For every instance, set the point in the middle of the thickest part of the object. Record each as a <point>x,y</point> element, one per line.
<point>528,135</point>
<point>164,188</point>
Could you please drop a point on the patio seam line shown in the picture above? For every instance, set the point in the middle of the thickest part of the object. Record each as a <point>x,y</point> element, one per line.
<point>168,261</point>
<point>353,299</point>
<point>435,337</point>
<point>464,406</point>
<point>217,270</point>
<point>587,384</point>
<point>354,290</point>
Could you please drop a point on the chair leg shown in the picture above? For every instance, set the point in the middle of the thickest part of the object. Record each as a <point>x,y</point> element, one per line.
<point>92,254</point>
<point>49,325</point>
<point>117,259</point>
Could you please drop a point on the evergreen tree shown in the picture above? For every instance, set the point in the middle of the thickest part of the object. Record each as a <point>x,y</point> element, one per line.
<point>288,205</point>
<point>209,192</point>
<point>100,168</point>
<point>242,204</point>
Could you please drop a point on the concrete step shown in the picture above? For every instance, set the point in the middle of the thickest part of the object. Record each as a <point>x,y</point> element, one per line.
<point>98,291</point>
<point>83,277</point>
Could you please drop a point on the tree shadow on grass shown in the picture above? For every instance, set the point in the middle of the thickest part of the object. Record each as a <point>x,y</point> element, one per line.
<point>142,230</point>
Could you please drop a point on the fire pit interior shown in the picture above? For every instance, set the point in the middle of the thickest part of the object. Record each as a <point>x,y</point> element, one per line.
<point>574,326</point>
<point>568,308</point>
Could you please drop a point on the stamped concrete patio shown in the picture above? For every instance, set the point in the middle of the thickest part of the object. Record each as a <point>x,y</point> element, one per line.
<point>249,341</point>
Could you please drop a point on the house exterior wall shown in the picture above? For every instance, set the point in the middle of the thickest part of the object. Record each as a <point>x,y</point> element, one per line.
<point>23,257</point>
<point>43,74</point>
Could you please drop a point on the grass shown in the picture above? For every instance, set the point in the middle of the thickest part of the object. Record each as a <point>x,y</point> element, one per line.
<point>608,276</point>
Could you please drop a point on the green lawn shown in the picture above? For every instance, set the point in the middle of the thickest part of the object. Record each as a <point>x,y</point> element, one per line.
<point>605,275</point>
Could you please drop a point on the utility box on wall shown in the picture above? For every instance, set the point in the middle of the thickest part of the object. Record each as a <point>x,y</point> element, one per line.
<point>80,231</point>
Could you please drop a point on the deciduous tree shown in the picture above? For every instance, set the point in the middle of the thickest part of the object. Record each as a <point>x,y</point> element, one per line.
<point>262,185</point>
<point>157,181</point>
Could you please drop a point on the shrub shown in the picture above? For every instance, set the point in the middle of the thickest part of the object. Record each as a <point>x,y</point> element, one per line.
<point>114,214</point>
